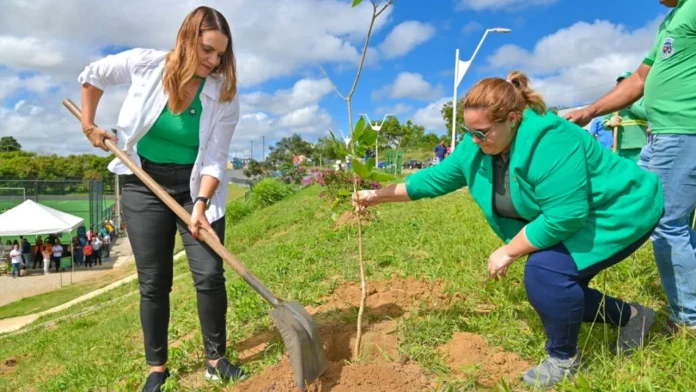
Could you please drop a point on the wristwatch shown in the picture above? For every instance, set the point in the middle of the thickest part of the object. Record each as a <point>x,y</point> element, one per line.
<point>204,199</point>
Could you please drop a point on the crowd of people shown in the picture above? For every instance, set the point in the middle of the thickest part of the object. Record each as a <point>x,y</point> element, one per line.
<point>87,248</point>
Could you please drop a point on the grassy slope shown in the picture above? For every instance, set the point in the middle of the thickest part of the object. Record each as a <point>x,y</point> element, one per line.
<point>294,250</point>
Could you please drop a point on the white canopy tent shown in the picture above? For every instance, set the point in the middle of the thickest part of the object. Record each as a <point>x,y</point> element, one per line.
<point>31,218</point>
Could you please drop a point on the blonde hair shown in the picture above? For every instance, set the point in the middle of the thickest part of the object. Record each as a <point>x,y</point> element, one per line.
<point>181,61</point>
<point>499,97</point>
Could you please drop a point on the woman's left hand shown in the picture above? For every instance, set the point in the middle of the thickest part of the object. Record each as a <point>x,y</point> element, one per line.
<point>200,221</point>
<point>498,263</point>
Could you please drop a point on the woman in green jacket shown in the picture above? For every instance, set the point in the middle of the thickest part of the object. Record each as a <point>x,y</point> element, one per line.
<point>550,192</point>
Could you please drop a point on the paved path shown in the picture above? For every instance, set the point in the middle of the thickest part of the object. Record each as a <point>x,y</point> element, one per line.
<point>35,282</point>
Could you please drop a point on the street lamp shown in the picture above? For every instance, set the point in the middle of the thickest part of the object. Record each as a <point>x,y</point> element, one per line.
<point>376,128</point>
<point>460,68</point>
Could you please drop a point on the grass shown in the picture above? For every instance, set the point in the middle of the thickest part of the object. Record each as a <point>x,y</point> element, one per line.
<point>294,249</point>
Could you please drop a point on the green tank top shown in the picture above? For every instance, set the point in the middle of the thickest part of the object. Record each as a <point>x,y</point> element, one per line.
<point>173,138</point>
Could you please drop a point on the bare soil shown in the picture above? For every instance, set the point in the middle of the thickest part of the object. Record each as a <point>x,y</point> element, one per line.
<point>380,365</point>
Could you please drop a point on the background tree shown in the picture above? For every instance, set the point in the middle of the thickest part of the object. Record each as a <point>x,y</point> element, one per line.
<point>446,112</point>
<point>287,147</point>
<point>9,144</point>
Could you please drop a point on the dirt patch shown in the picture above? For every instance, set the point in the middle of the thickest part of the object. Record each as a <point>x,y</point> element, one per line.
<point>385,297</point>
<point>341,378</point>
<point>468,355</point>
<point>375,372</point>
<point>350,219</point>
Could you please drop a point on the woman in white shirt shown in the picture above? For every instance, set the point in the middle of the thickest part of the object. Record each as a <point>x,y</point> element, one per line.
<point>57,254</point>
<point>177,122</point>
<point>16,258</point>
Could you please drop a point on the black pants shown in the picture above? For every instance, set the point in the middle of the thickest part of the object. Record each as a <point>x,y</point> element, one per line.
<point>151,229</point>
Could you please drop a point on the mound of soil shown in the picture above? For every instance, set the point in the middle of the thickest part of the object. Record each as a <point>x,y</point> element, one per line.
<point>377,371</point>
<point>385,298</point>
<point>468,355</point>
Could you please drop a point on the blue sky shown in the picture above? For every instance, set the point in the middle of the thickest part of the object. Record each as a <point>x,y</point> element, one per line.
<point>571,49</point>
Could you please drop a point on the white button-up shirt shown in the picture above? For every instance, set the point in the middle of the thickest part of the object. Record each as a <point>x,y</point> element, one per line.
<point>146,98</point>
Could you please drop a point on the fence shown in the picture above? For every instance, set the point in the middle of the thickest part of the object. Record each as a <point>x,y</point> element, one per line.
<point>91,200</point>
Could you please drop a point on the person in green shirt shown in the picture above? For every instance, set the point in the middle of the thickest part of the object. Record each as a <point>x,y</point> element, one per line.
<point>667,82</point>
<point>528,170</point>
<point>632,131</point>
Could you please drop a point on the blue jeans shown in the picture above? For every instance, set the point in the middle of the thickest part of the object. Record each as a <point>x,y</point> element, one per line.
<point>16,267</point>
<point>671,157</point>
<point>561,296</point>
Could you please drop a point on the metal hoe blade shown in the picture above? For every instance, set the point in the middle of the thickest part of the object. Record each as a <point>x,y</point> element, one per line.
<point>301,336</point>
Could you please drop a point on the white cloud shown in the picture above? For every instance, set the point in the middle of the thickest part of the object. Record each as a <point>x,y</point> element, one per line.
<point>471,27</point>
<point>397,109</point>
<point>405,37</point>
<point>579,63</point>
<point>57,43</point>
<point>430,116</point>
<point>11,83</point>
<point>304,92</point>
<point>264,31</point>
<point>508,5</point>
<point>409,85</point>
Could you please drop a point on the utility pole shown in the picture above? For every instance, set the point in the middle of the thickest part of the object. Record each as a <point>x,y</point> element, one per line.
<point>263,147</point>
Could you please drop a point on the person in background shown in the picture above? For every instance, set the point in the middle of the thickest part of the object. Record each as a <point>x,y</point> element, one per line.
<point>38,248</point>
<point>16,258</point>
<point>57,254</point>
<point>106,246</point>
<point>77,249</point>
<point>46,256</point>
<point>632,127</point>
<point>440,152</point>
<point>89,254</point>
<point>26,252</point>
<point>96,250</point>
<point>666,81</point>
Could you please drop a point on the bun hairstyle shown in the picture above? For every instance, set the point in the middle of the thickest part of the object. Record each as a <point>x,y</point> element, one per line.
<point>499,97</point>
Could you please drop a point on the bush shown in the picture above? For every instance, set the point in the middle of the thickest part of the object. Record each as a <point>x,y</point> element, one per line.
<point>269,191</point>
<point>238,209</point>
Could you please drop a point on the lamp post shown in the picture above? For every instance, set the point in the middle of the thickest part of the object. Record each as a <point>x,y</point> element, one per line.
<point>376,128</point>
<point>460,68</point>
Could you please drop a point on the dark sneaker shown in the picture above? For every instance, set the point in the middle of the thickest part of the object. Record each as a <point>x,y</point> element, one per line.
<point>223,370</point>
<point>632,335</point>
<point>551,372</point>
<point>155,381</point>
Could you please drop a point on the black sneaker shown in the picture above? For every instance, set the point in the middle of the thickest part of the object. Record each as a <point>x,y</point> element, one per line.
<point>223,370</point>
<point>155,381</point>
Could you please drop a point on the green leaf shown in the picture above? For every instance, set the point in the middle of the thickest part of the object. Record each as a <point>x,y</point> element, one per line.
<point>368,138</point>
<point>360,151</point>
<point>370,164</point>
<point>356,2</point>
<point>344,192</point>
<point>360,169</point>
<point>358,131</point>
<point>378,176</point>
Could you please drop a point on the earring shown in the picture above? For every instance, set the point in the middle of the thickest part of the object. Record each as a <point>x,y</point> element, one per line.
<point>513,125</point>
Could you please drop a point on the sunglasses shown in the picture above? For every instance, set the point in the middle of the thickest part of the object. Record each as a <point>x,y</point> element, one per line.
<point>480,134</point>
